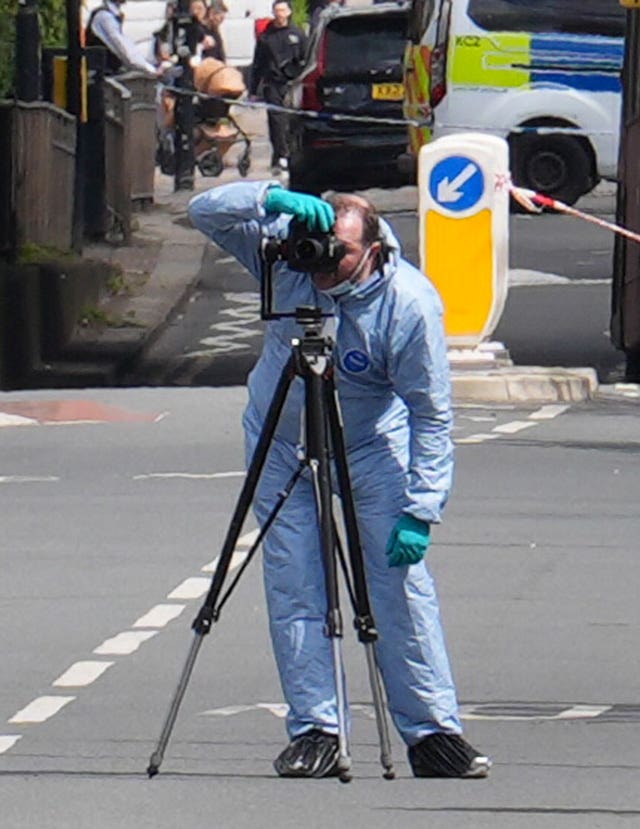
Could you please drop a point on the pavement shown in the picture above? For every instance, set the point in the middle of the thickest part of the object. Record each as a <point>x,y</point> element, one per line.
<point>161,266</point>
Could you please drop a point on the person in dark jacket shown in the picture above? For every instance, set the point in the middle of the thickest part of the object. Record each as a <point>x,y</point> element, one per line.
<point>278,58</point>
<point>104,28</point>
<point>213,44</point>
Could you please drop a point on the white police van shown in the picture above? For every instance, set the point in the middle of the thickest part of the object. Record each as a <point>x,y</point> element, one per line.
<point>544,74</point>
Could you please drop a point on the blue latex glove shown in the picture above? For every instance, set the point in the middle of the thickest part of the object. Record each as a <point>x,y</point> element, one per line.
<point>408,542</point>
<point>314,212</point>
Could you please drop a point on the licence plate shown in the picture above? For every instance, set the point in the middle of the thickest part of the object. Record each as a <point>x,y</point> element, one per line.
<point>387,91</point>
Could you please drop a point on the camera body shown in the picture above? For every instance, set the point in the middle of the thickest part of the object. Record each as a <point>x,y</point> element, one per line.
<point>310,251</point>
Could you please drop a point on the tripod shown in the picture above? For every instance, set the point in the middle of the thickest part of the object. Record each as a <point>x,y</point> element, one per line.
<point>311,359</point>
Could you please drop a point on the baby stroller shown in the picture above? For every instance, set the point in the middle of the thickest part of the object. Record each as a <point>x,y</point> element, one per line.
<point>215,129</point>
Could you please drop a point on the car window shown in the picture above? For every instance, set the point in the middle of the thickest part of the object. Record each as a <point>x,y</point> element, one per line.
<point>598,17</point>
<point>361,43</point>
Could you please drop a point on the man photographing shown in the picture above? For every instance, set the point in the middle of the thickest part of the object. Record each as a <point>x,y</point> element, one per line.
<point>393,385</point>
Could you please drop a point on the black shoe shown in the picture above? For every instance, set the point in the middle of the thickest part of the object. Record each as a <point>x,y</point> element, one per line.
<point>447,755</point>
<point>312,754</point>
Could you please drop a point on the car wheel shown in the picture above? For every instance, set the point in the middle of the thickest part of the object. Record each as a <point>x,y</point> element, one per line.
<point>559,166</point>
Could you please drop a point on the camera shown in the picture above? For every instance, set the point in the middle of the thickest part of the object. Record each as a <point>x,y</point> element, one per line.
<point>310,250</point>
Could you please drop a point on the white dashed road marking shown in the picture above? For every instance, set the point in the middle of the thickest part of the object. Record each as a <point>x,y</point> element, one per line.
<point>548,412</point>
<point>513,427</point>
<point>191,588</point>
<point>81,674</point>
<point>124,643</point>
<point>8,740</point>
<point>40,709</point>
<point>159,616</point>
<point>196,476</point>
<point>28,479</point>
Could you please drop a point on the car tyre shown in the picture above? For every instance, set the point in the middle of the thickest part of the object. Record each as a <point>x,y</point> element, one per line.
<point>559,166</point>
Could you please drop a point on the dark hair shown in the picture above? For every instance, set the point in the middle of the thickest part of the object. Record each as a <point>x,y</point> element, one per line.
<point>345,203</point>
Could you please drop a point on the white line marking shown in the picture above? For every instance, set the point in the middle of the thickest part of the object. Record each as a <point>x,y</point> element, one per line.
<point>190,475</point>
<point>228,710</point>
<point>7,741</point>
<point>247,540</point>
<point>191,588</point>
<point>512,427</point>
<point>522,277</point>
<point>159,616</point>
<point>16,420</point>
<point>580,712</point>
<point>28,479</point>
<point>479,438</point>
<point>547,412</point>
<point>40,709</point>
<point>124,643</point>
<point>237,559</point>
<point>81,673</point>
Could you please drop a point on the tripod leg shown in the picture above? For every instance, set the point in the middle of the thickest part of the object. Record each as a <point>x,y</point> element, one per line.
<point>319,464</point>
<point>156,758</point>
<point>364,622</point>
<point>209,612</point>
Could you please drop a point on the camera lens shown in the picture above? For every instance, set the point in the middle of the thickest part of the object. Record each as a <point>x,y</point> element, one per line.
<point>308,250</point>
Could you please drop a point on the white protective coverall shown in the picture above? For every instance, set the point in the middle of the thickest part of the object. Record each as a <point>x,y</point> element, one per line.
<point>394,391</point>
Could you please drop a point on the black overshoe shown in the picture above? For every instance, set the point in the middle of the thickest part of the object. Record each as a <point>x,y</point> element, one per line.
<point>447,755</point>
<point>312,754</point>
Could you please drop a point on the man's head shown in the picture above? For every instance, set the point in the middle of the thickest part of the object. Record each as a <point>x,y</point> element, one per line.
<point>357,226</point>
<point>281,12</point>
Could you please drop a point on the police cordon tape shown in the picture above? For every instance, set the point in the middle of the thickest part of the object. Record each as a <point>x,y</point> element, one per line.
<point>424,123</point>
<point>529,199</point>
<point>536,202</point>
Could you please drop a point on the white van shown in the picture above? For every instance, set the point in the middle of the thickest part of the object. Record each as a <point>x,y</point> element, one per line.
<point>545,74</point>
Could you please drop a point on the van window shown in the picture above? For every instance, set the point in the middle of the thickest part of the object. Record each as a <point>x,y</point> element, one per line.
<point>362,43</point>
<point>596,17</point>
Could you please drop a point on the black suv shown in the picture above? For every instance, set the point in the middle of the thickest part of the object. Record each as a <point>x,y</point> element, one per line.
<point>353,67</point>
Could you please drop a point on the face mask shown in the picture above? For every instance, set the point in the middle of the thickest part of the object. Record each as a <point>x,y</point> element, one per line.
<point>348,285</point>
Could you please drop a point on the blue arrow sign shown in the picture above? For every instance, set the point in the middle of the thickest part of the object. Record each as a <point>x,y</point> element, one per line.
<point>457,183</point>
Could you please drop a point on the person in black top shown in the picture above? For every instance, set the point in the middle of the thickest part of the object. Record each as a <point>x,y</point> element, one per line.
<point>278,58</point>
<point>213,44</point>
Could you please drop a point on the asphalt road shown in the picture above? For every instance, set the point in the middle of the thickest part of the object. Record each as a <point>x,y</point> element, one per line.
<point>109,531</point>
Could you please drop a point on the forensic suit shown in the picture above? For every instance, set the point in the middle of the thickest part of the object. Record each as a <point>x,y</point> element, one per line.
<point>394,392</point>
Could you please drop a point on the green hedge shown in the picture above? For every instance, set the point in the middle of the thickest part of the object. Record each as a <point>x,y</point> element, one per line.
<point>53,32</point>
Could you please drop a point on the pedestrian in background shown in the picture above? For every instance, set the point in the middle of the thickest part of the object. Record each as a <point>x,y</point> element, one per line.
<point>213,43</point>
<point>392,379</point>
<point>278,58</point>
<point>104,28</point>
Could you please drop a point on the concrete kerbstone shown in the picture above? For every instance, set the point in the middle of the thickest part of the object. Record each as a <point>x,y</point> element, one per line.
<point>525,385</point>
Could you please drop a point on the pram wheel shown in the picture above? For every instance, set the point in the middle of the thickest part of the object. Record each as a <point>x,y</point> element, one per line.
<point>245,163</point>
<point>210,163</point>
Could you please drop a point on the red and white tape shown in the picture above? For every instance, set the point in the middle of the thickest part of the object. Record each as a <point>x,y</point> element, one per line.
<point>535,202</point>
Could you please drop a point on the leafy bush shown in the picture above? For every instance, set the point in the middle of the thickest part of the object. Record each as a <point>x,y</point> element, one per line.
<point>300,14</point>
<point>53,32</point>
